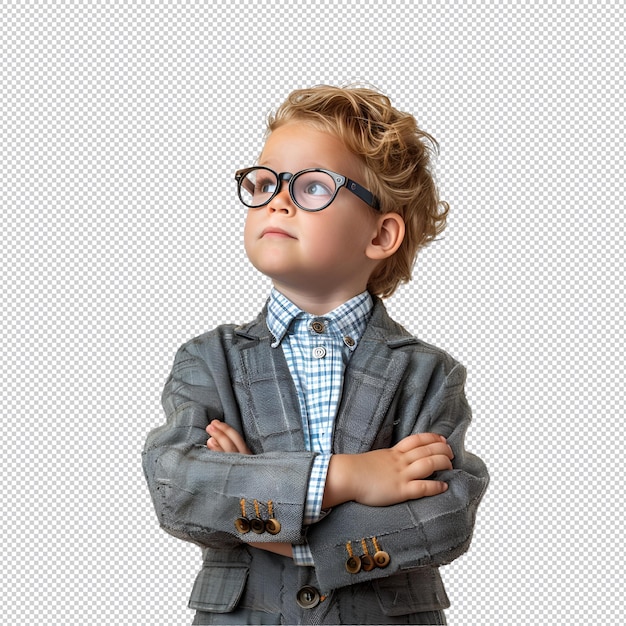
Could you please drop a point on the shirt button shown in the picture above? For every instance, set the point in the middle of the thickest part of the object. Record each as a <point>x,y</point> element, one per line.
<point>349,341</point>
<point>317,327</point>
<point>319,352</point>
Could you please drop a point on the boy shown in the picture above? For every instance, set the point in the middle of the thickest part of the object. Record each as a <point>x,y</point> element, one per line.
<point>317,453</point>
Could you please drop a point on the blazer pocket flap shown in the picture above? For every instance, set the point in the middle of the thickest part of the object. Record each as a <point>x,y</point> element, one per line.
<point>411,592</point>
<point>218,587</point>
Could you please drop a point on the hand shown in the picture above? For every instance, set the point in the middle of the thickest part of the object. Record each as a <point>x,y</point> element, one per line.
<point>224,438</point>
<point>391,475</point>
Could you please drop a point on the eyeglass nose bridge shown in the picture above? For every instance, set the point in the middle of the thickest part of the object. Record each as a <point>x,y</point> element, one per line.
<point>283,176</point>
<point>288,177</point>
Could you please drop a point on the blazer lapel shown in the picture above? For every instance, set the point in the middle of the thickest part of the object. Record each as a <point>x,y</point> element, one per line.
<point>266,392</point>
<point>364,420</point>
<point>268,400</point>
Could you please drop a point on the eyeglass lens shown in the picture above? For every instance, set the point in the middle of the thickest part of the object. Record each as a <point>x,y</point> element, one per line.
<point>310,190</point>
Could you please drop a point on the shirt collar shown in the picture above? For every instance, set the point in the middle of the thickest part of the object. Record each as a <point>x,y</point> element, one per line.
<point>348,320</point>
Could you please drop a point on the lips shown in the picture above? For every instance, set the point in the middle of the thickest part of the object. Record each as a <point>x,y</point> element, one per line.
<point>274,231</point>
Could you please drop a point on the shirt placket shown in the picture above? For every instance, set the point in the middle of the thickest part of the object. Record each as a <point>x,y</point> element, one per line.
<point>321,379</point>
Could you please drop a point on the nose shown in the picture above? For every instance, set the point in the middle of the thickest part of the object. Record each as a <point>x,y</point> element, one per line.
<point>281,202</point>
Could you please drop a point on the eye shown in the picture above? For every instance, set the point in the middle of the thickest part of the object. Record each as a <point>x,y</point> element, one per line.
<point>265,185</point>
<point>317,188</point>
<point>313,189</point>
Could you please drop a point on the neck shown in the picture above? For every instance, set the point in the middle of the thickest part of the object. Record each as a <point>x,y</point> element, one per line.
<point>318,304</point>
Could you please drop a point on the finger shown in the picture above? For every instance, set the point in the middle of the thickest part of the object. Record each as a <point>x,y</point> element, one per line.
<point>228,437</point>
<point>212,444</point>
<point>234,437</point>
<point>426,488</point>
<point>221,440</point>
<point>418,440</point>
<point>219,443</point>
<point>213,425</point>
<point>425,467</point>
<point>432,449</point>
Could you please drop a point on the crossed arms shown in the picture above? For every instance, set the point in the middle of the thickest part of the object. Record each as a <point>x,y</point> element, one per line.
<point>376,478</point>
<point>197,485</point>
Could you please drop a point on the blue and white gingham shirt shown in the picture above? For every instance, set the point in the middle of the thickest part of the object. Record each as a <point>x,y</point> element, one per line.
<point>317,350</point>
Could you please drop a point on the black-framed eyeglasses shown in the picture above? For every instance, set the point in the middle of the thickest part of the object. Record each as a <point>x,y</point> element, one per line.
<point>310,190</point>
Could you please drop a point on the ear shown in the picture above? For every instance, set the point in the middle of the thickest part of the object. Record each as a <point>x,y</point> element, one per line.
<point>389,235</point>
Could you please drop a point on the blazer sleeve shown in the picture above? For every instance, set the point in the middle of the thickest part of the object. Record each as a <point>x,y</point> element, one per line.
<point>199,494</point>
<point>428,531</point>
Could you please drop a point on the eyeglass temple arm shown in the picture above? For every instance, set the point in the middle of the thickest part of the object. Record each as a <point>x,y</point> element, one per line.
<point>367,196</point>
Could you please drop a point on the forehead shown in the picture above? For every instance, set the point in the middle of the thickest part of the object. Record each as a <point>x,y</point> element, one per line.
<point>297,146</point>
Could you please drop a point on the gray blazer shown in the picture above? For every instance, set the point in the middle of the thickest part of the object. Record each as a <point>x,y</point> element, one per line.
<point>394,385</point>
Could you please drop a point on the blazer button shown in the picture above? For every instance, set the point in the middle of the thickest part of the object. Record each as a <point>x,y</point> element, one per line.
<point>257,525</point>
<point>308,597</point>
<point>381,558</point>
<point>272,526</point>
<point>367,563</point>
<point>242,524</point>
<point>353,565</point>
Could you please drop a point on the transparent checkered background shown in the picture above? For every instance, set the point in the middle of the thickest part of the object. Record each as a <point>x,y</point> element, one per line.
<point>121,125</point>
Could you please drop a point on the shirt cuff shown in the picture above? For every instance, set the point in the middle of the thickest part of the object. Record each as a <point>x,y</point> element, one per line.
<point>315,493</point>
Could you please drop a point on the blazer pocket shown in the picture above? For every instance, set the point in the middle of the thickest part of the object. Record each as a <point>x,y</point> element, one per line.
<point>411,592</point>
<point>218,587</point>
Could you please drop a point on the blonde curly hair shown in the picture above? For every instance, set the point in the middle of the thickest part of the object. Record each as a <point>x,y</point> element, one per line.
<point>397,157</point>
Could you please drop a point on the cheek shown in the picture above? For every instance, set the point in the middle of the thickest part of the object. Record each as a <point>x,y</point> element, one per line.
<point>316,235</point>
<point>327,243</point>
<point>248,230</point>
<point>335,232</point>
